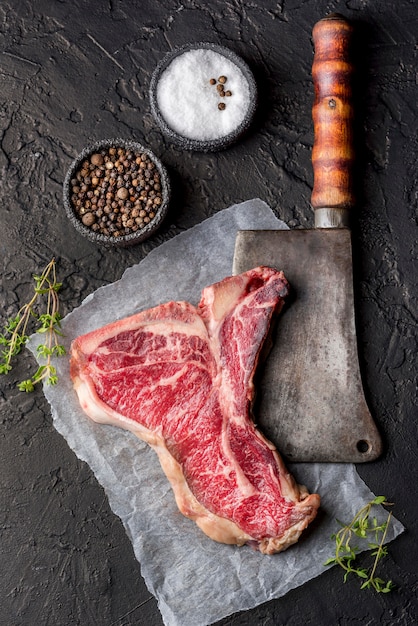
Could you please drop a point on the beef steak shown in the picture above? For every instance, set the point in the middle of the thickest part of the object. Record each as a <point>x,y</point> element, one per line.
<point>181,378</point>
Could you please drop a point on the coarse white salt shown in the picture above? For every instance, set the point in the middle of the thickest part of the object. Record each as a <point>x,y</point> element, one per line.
<point>189,103</point>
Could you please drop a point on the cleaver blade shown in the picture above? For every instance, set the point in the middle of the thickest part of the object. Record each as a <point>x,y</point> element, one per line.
<point>311,401</point>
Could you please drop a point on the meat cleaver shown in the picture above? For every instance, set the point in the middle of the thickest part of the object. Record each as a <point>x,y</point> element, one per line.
<point>311,399</point>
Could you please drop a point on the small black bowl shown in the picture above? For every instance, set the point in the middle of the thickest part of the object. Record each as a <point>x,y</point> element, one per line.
<point>124,237</point>
<point>221,141</point>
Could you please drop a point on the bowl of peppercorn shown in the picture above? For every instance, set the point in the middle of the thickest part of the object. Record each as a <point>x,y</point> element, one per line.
<point>116,192</point>
<point>203,96</point>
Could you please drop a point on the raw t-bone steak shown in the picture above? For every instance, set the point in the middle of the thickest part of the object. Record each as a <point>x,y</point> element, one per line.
<point>181,378</point>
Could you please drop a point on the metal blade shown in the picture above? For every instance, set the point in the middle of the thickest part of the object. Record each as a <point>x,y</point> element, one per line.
<point>311,400</point>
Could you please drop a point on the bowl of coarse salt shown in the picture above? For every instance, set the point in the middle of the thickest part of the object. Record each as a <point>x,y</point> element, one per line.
<point>203,96</point>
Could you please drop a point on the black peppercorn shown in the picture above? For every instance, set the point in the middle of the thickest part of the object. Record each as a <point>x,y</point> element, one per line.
<point>96,159</point>
<point>88,219</point>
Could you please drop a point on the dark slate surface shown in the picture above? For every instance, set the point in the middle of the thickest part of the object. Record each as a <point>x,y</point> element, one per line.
<point>76,72</point>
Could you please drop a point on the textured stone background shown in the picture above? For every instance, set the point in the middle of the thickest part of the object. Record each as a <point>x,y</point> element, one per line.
<point>74,72</point>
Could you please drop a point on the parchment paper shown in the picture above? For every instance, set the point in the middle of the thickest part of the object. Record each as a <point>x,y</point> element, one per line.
<point>195,580</point>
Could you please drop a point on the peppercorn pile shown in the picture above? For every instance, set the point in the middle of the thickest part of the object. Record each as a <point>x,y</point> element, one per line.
<point>220,88</point>
<point>116,192</point>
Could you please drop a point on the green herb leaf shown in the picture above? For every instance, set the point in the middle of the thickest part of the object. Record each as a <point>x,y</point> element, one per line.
<point>59,350</point>
<point>379,500</point>
<point>26,385</point>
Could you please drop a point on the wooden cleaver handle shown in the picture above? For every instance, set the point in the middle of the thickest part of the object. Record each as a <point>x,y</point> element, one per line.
<point>332,112</point>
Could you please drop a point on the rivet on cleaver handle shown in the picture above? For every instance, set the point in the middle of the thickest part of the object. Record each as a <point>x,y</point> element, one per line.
<point>311,402</point>
<point>333,152</point>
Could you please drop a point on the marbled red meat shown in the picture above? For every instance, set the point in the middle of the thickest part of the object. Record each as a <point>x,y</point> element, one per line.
<point>181,378</point>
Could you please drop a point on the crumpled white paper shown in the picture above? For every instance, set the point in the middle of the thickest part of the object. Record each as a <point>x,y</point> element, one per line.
<point>195,580</point>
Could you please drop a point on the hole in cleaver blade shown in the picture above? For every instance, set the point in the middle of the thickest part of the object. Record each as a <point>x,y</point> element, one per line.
<point>311,402</point>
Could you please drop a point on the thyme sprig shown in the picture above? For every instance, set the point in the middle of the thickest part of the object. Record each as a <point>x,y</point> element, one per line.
<point>16,332</point>
<point>374,533</point>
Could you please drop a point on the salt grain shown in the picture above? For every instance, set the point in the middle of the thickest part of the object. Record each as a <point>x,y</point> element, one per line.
<point>188,101</point>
